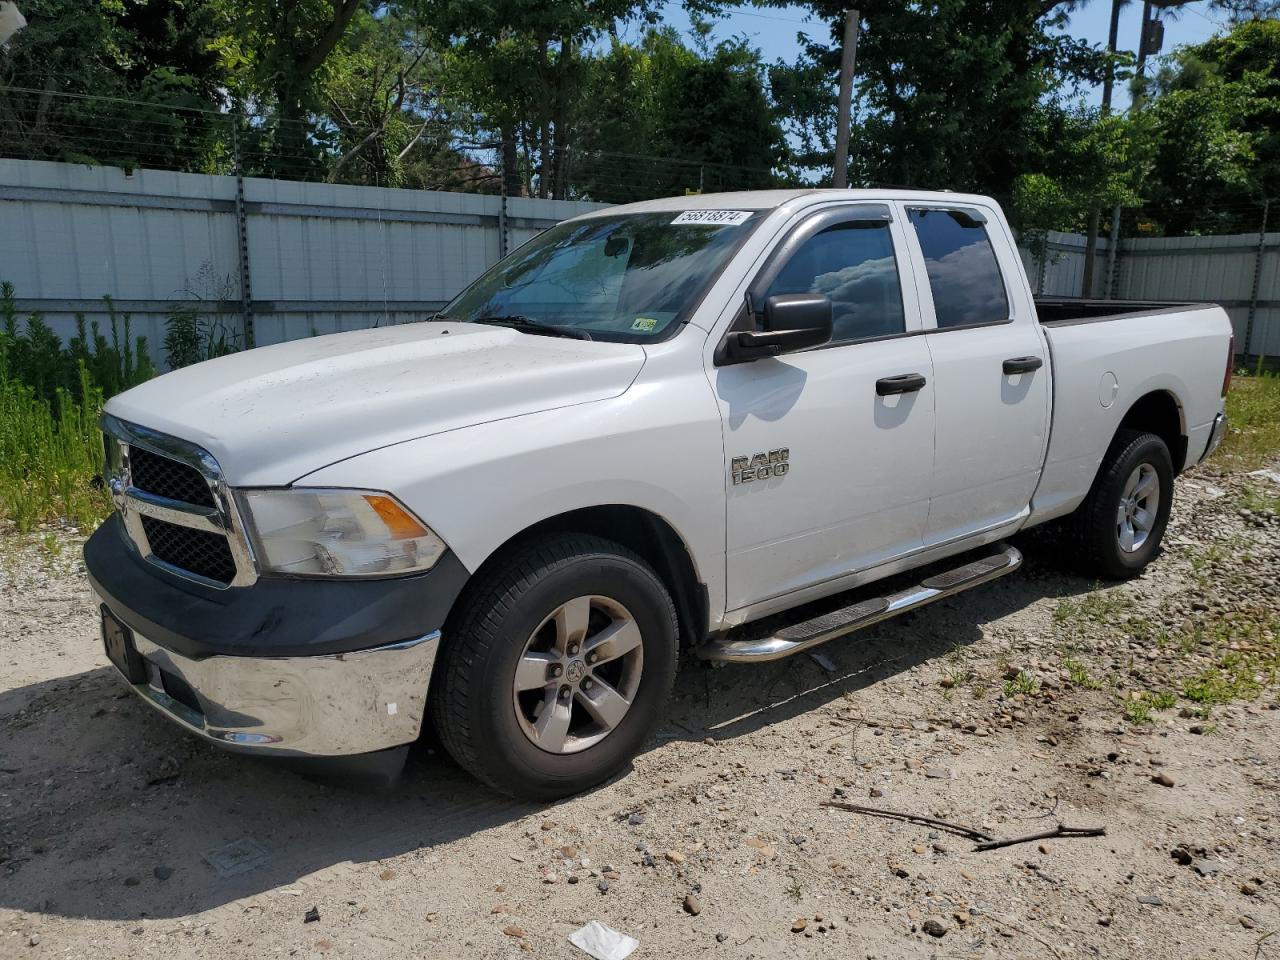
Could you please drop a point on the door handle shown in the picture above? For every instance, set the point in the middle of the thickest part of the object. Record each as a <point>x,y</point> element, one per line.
<point>1022,364</point>
<point>903,383</point>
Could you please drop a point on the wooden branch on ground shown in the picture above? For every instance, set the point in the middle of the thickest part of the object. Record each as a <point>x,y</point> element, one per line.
<point>1062,830</point>
<point>970,832</point>
<point>984,840</point>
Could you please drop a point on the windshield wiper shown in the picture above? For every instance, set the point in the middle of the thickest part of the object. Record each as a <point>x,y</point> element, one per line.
<point>537,327</point>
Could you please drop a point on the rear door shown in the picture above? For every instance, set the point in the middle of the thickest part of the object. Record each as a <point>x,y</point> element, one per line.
<point>991,370</point>
<point>828,474</point>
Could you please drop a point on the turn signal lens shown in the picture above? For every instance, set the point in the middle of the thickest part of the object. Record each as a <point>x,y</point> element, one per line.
<point>400,522</point>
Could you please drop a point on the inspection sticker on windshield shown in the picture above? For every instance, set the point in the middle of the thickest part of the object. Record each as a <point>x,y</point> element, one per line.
<point>644,324</point>
<point>716,218</point>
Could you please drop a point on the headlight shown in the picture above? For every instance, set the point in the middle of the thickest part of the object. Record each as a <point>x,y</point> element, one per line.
<point>337,533</point>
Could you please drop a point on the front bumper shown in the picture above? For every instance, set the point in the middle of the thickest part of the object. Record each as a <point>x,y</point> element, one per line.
<point>322,706</point>
<point>291,668</point>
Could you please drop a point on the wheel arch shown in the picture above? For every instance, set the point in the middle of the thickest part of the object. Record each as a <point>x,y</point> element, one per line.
<point>1160,413</point>
<point>640,530</point>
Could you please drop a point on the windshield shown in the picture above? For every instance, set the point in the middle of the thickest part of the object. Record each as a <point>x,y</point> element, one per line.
<point>628,277</point>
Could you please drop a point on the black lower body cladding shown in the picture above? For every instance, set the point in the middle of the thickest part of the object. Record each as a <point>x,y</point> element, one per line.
<point>274,617</point>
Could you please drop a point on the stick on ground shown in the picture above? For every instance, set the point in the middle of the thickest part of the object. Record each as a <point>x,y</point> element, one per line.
<point>1062,830</point>
<point>970,832</point>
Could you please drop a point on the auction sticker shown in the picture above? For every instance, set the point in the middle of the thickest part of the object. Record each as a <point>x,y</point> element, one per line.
<point>714,217</point>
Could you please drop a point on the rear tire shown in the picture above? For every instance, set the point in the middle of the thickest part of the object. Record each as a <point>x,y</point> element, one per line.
<point>1118,528</point>
<point>514,698</point>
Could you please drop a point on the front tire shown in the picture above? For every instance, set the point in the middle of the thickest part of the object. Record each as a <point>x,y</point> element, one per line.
<point>1118,528</point>
<point>556,667</point>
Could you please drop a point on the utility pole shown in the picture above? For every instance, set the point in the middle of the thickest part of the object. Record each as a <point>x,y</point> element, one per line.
<point>848,59</point>
<point>1095,216</point>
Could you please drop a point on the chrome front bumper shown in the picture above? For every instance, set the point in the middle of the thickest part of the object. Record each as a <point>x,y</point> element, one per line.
<point>316,706</point>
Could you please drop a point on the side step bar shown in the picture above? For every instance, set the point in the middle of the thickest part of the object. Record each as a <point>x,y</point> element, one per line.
<point>828,626</point>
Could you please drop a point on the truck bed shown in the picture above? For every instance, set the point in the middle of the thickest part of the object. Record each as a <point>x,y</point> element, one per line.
<point>1062,311</point>
<point>1101,369</point>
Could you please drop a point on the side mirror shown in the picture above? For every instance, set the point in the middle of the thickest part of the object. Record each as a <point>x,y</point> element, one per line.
<point>792,321</point>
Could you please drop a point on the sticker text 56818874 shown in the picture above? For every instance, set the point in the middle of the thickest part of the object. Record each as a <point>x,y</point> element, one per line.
<point>714,218</point>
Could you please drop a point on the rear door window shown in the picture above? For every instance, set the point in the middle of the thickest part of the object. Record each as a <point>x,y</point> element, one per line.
<point>962,268</point>
<point>853,264</point>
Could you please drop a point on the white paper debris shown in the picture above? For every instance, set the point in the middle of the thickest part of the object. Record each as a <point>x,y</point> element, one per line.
<point>603,943</point>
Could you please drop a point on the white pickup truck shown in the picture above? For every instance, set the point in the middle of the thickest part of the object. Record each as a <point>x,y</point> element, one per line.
<point>644,430</point>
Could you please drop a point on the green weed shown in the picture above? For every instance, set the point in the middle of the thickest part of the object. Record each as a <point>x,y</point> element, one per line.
<point>1023,683</point>
<point>1253,410</point>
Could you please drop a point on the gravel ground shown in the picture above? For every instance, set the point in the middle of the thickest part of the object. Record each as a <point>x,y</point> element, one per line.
<point>1148,708</point>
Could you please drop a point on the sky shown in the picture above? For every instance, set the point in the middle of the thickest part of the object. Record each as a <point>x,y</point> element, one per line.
<point>774,30</point>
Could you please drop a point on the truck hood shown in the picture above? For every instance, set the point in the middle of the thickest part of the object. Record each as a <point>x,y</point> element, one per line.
<point>274,414</point>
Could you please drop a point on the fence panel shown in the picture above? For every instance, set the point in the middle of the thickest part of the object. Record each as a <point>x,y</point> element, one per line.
<point>329,257</point>
<point>1214,269</point>
<point>322,257</point>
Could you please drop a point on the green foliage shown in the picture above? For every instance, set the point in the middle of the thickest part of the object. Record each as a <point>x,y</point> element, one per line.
<point>50,452</point>
<point>659,97</point>
<point>1084,161</point>
<point>949,90</point>
<point>34,355</point>
<point>1253,414</point>
<point>51,400</point>
<point>190,337</point>
<point>1216,113</point>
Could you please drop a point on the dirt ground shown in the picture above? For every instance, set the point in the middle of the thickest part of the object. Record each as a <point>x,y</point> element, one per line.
<point>1148,708</point>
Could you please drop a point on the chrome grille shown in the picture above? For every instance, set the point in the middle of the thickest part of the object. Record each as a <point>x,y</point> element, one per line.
<point>168,478</point>
<point>176,507</point>
<point>204,554</point>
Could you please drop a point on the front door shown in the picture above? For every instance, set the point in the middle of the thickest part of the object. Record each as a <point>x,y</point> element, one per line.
<point>827,473</point>
<point>991,374</point>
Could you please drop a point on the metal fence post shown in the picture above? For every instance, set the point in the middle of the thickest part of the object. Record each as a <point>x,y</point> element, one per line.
<point>1042,249</point>
<point>1257,280</point>
<point>1113,255</point>
<point>502,208</point>
<point>242,235</point>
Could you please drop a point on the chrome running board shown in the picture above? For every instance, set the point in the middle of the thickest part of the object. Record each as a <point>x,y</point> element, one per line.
<point>828,626</point>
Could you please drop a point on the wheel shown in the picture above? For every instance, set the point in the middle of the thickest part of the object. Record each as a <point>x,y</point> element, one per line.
<point>1118,528</point>
<point>556,673</point>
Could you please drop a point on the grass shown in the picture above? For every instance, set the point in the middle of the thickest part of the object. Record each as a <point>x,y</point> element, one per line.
<point>1099,607</point>
<point>1023,683</point>
<point>1259,499</point>
<point>1079,675</point>
<point>49,455</point>
<point>51,397</point>
<point>1139,710</point>
<point>1253,409</point>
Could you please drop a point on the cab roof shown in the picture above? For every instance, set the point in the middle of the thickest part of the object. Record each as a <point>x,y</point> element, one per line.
<point>772,199</point>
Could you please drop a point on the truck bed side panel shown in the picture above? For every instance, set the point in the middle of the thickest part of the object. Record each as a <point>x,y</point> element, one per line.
<point>1182,351</point>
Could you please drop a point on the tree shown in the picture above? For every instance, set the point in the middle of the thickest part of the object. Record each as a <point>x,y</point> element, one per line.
<point>666,118</point>
<point>380,93</point>
<point>1082,161</point>
<point>947,90</point>
<point>150,52</point>
<point>1216,116</point>
<point>274,51</point>
<point>522,65</point>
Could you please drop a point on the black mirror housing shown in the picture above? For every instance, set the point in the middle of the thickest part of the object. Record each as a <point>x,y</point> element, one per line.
<point>792,321</point>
